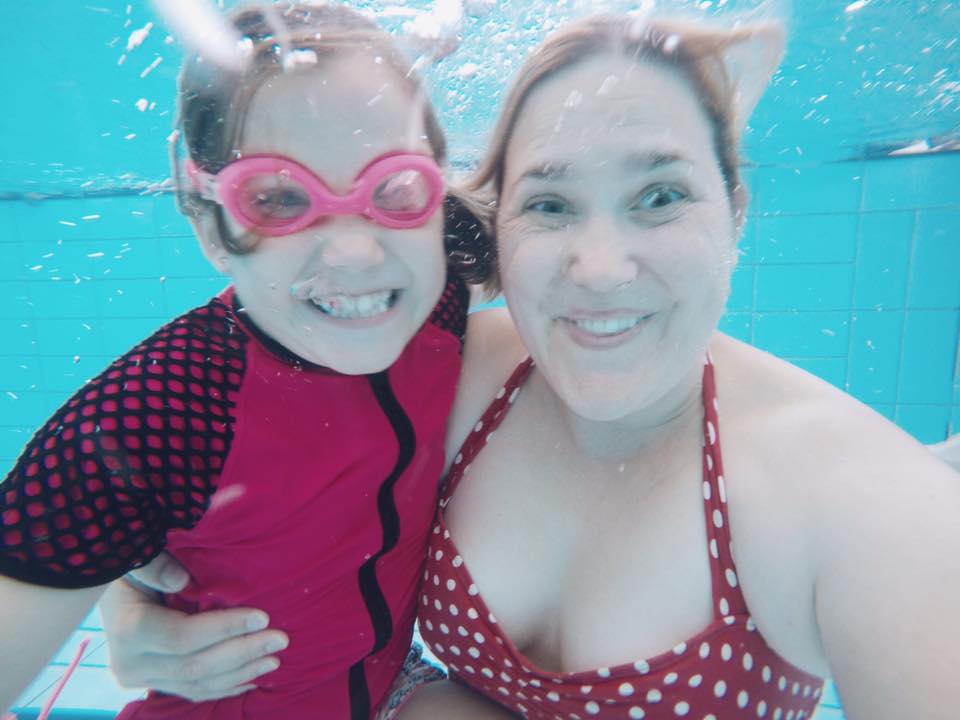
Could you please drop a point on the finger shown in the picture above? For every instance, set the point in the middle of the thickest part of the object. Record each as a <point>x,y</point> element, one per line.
<point>171,632</point>
<point>200,696</point>
<point>219,686</point>
<point>235,656</point>
<point>244,676</point>
<point>162,574</point>
<point>222,666</point>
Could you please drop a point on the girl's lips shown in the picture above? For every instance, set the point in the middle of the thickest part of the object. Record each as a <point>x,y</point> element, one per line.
<point>357,312</point>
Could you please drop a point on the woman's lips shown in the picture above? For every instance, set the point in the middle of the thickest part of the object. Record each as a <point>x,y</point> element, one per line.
<point>605,329</point>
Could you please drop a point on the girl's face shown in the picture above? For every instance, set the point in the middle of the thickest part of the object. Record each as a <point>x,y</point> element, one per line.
<point>615,232</point>
<point>346,292</point>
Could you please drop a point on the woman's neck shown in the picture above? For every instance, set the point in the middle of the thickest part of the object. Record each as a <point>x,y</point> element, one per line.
<point>648,431</point>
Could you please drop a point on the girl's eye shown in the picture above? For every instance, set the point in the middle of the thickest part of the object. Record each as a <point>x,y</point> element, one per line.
<point>660,197</point>
<point>278,202</point>
<point>548,206</point>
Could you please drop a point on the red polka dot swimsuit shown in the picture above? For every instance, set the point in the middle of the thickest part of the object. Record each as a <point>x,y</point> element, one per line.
<point>279,484</point>
<point>725,671</point>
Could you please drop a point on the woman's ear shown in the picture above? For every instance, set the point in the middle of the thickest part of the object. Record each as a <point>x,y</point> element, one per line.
<point>208,235</point>
<point>751,58</point>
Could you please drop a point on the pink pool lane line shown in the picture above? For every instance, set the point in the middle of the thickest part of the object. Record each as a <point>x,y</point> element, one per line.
<point>45,712</point>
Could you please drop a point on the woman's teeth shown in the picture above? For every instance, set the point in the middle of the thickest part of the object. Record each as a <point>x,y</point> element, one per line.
<point>355,307</point>
<point>608,326</point>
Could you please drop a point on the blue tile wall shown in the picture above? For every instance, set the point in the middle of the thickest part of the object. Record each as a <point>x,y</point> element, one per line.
<point>741,289</point>
<point>928,356</point>
<point>911,182</point>
<point>803,334</point>
<point>804,287</point>
<point>807,238</point>
<point>874,359</point>
<point>883,261</point>
<point>814,189</point>
<point>19,374</point>
<point>935,271</point>
<point>927,423</point>
<point>738,325</point>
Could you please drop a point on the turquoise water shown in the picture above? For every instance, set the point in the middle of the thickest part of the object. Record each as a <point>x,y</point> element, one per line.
<point>850,261</point>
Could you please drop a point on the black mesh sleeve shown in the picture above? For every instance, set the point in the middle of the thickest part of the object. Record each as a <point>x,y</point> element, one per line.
<point>136,452</point>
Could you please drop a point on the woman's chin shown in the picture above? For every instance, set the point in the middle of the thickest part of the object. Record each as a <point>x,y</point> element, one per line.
<point>600,398</point>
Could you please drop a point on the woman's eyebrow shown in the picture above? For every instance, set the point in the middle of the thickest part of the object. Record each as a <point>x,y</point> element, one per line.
<point>645,161</point>
<point>549,171</point>
<point>631,163</point>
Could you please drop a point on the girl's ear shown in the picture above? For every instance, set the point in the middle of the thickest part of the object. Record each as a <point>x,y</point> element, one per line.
<point>751,58</point>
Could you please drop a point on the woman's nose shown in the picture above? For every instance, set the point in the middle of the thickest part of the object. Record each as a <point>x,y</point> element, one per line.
<point>601,261</point>
<point>351,247</point>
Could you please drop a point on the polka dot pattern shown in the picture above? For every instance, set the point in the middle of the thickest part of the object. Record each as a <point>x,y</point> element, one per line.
<point>726,671</point>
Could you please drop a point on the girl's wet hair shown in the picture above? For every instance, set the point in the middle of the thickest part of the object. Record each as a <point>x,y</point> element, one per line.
<point>213,102</point>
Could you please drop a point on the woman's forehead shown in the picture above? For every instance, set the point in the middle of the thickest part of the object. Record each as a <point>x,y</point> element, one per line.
<point>638,109</point>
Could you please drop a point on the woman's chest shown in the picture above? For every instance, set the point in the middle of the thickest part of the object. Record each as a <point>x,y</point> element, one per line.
<point>582,571</point>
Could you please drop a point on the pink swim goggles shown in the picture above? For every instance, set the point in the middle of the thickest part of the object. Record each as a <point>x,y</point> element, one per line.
<point>274,195</point>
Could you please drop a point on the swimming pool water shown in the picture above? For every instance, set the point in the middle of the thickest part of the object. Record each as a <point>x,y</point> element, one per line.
<point>849,266</point>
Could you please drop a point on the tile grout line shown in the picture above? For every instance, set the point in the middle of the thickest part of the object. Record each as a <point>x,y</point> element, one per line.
<point>903,320</point>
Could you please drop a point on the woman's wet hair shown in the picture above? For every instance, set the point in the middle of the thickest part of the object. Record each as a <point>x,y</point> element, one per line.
<point>695,51</point>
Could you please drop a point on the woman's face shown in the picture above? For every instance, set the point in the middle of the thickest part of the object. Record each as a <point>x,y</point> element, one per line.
<point>616,234</point>
<point>346,292</point>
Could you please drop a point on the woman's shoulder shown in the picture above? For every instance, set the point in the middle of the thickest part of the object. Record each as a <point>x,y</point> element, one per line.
<point>492,352</point>
<point>811,443</point>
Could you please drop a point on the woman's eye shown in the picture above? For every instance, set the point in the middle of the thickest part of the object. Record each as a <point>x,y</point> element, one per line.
<point>548,206</point>
<point>660,197</point>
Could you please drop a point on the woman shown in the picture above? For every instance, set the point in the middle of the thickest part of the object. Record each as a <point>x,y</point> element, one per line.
<point>637,570</point>
<point>605,558</point>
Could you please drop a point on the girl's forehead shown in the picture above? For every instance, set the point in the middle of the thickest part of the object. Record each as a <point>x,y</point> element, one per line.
<point>337,117</point>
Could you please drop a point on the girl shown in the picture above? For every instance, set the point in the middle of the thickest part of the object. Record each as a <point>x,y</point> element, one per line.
<point>284,441</point>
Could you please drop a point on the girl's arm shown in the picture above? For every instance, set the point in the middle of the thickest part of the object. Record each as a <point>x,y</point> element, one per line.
<point>34,622</point>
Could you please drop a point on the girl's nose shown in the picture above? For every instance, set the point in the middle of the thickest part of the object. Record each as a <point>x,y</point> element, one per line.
<point>353,247</point>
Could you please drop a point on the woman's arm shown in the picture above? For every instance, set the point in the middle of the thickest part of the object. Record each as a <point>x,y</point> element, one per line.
<point>450,701</point>
<point>35,622</point>
<point>888,588</point>
<point>206,656</point>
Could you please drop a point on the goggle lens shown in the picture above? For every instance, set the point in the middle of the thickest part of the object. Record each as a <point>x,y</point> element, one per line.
<point>272,200</point>
<point>402,194</point>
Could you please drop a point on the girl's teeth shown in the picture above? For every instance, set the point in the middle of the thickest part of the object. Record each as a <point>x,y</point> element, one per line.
<point>354,307</point>
<point>608,326</point>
